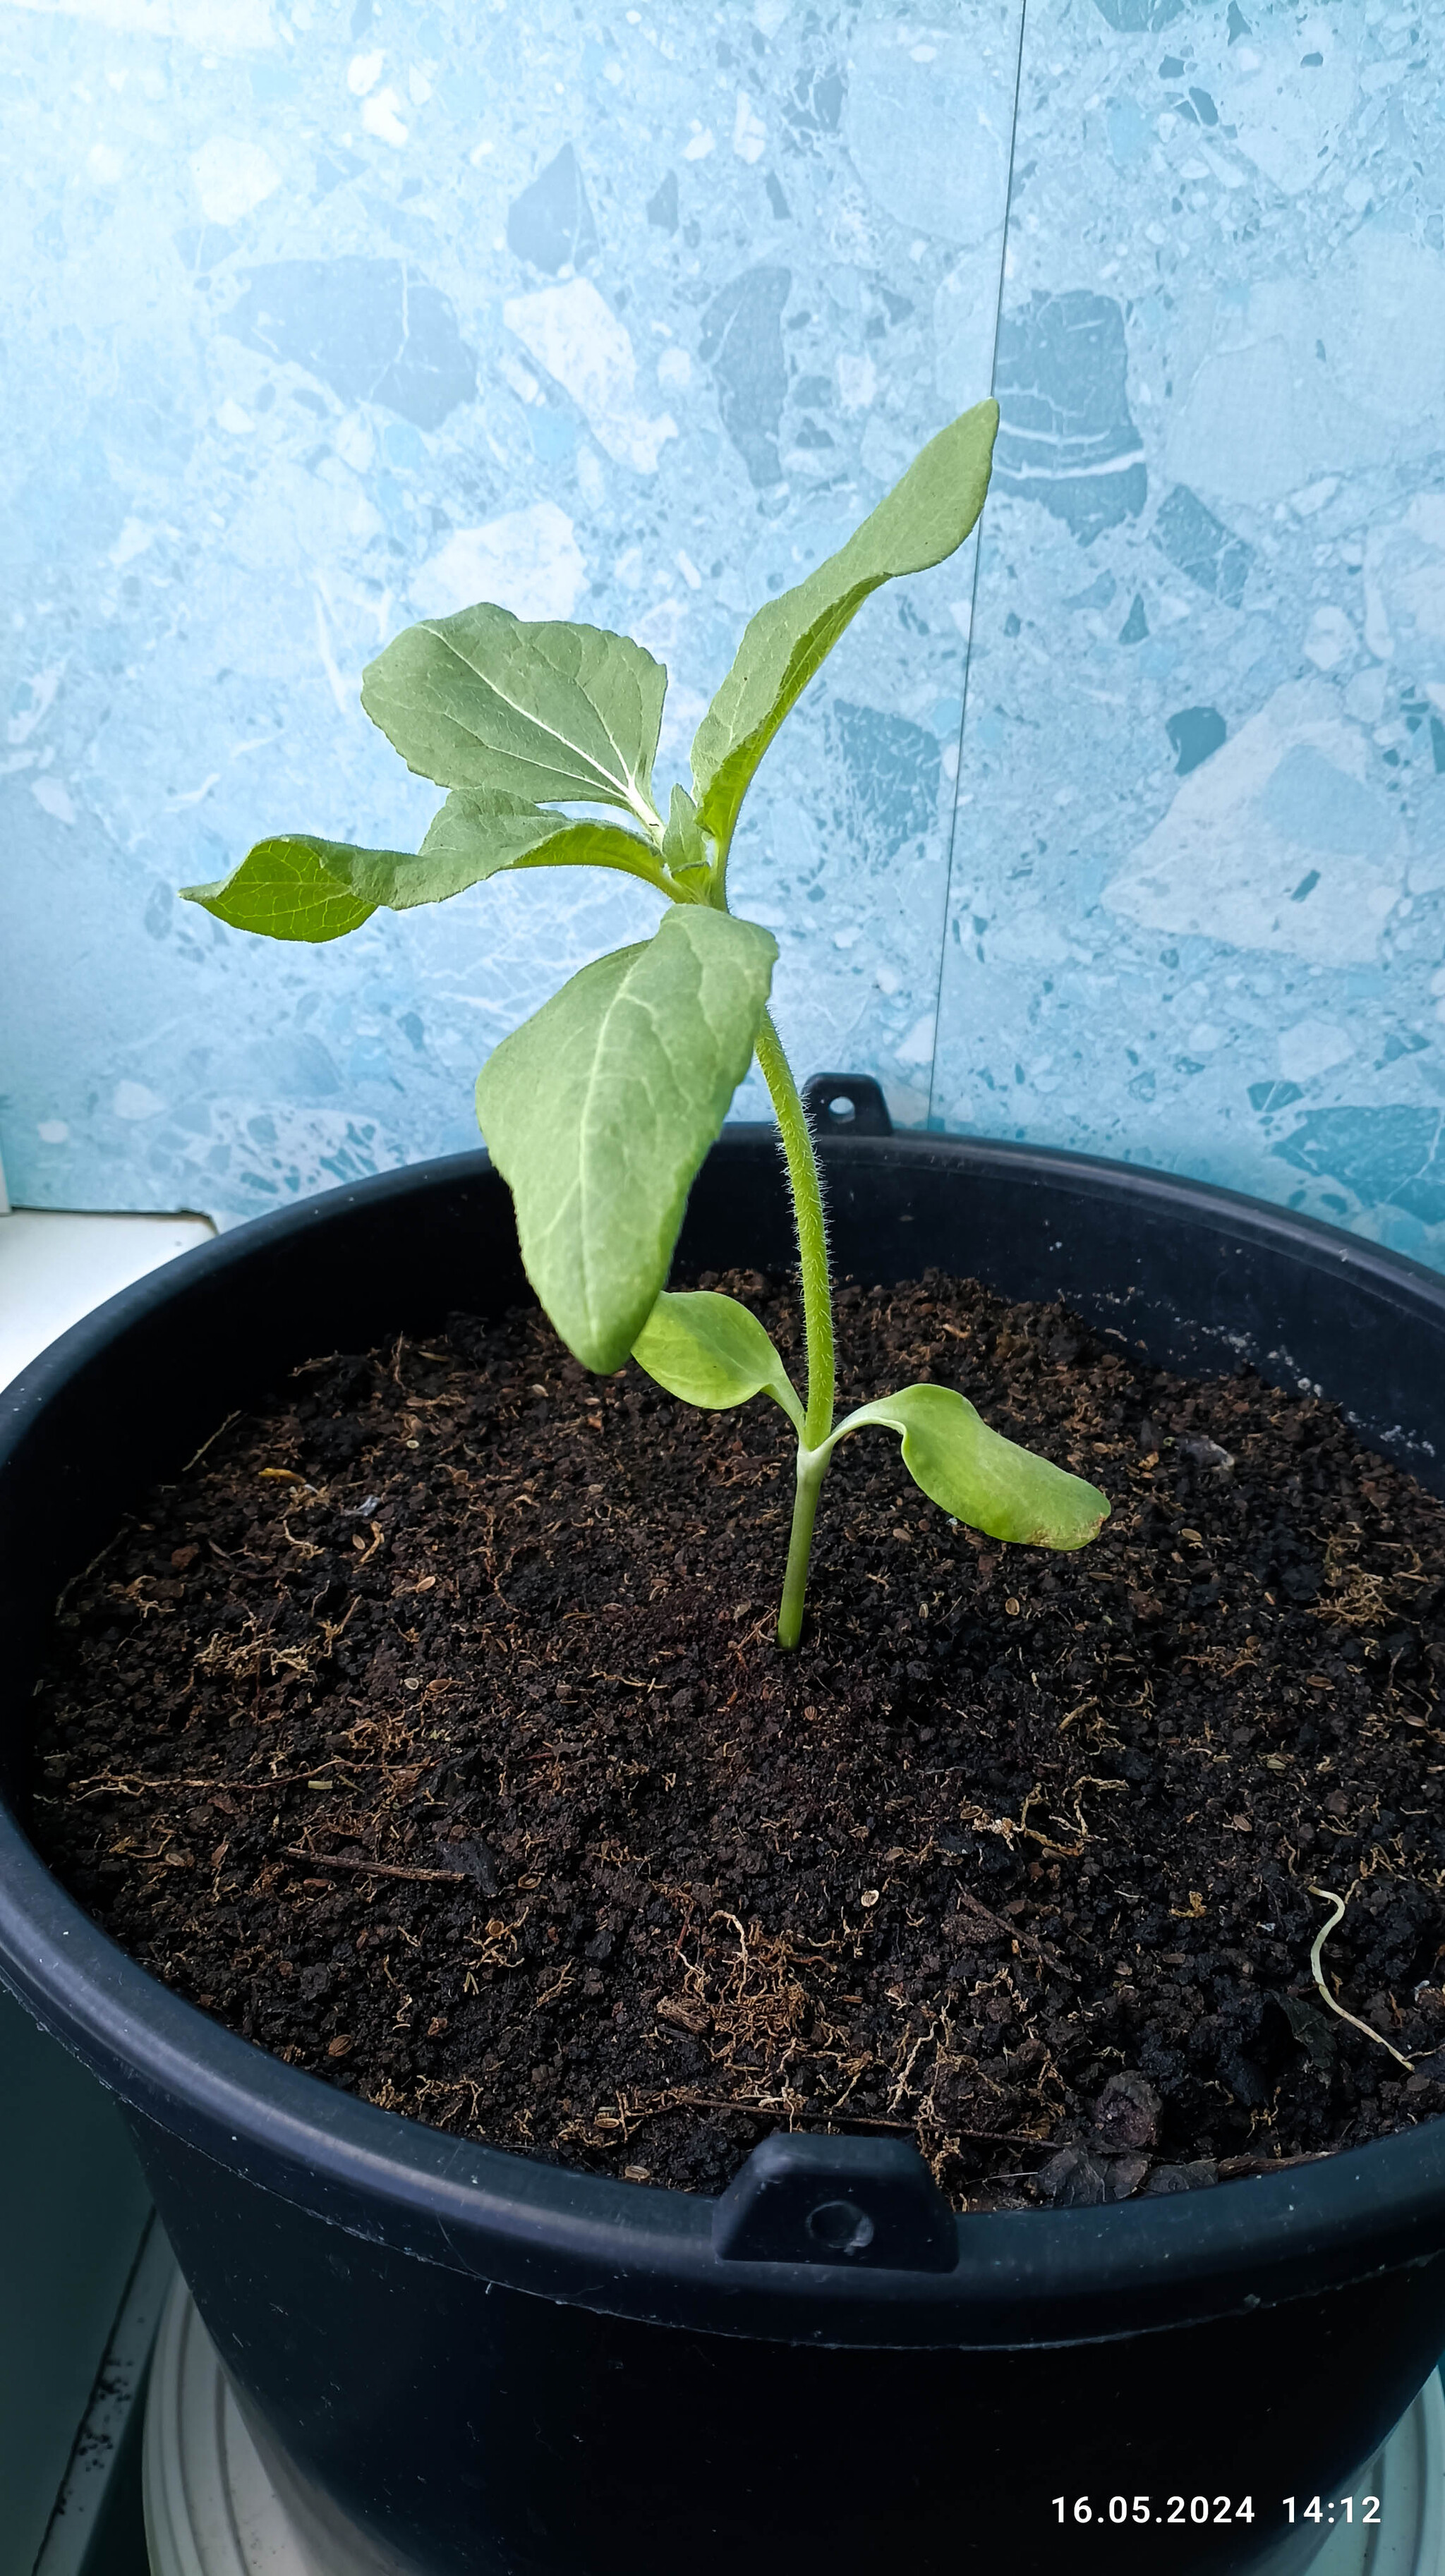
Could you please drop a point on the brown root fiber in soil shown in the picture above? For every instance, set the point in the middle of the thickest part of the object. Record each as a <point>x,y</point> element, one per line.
<point>1014,1857</point>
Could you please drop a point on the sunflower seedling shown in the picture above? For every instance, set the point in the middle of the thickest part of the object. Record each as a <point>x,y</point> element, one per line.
<point>600,1108</point>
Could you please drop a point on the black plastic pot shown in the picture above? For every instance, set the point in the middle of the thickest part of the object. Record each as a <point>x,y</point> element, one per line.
<point>495,2366</point>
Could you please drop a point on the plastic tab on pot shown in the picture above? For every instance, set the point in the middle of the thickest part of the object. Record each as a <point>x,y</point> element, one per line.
<point>869,2202</point>
<point>846,1104</point>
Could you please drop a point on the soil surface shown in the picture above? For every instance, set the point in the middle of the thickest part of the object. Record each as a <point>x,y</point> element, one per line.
<point>430,1732</point>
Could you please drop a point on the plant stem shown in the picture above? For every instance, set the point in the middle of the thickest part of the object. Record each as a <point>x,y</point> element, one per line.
<point>802,1165</point>
<point>811,1470</point>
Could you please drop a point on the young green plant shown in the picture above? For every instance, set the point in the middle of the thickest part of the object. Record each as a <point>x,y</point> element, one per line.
<point>600,1108</point>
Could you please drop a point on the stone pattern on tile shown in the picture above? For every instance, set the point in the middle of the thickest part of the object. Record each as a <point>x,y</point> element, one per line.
<point>1199,858</point>
<point>322,318</point>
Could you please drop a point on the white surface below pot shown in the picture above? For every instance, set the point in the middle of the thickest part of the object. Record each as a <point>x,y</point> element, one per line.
<point>219,2498</point>
<point>221,2502</point>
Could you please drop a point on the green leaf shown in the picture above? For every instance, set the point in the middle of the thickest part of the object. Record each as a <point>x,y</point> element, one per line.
<point>294,887</point>
<point>297,888</point>
<point>476,836</point>
<point>599,1109</point>
<point>712,1352</point>
<point>683,846</point>
<point>548,711</point>
<point>923,519</point>
<point>979,1477</point>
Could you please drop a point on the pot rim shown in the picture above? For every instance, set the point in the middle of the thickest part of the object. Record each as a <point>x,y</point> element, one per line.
<point>640,2250</point>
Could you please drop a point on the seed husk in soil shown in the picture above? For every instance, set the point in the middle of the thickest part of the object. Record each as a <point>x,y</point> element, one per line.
<point>430,1732</point>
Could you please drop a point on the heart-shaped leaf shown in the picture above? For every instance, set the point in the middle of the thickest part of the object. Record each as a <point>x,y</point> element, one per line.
<point>599,1109</point>
<point>924,518</point>
<point>476,836</point>
<point>978,1477</point>
<point>292,887</point>
<point>710,1351</point>
<point>542,709</point>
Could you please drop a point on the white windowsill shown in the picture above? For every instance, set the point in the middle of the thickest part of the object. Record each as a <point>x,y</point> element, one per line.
<point>54,1268</point>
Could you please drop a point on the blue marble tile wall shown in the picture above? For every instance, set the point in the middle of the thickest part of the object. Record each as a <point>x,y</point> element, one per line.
<point>1199,860</point>
<point>318,319</point>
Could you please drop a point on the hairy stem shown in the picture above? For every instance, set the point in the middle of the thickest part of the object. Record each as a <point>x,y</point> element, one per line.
<point>802,1164</point>
<point>812,1468</point>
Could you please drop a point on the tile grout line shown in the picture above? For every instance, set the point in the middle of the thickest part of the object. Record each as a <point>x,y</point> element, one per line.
<point>973,590</point>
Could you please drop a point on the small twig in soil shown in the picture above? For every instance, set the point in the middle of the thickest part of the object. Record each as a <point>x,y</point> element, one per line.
<point>207,1444</point>
<point>1000,2138</point>
<point>87,1570</point>
<point>1246,2168</point>
<point>828,2117</point>
<point>375,1868</point>
<point>134,1784</point>
<point>775,2111</point>
<point>1011,1932</point>
<point>1321,1937</point>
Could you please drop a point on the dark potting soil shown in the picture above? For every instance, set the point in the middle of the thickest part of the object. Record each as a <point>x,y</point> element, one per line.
<point>430,1731</point>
